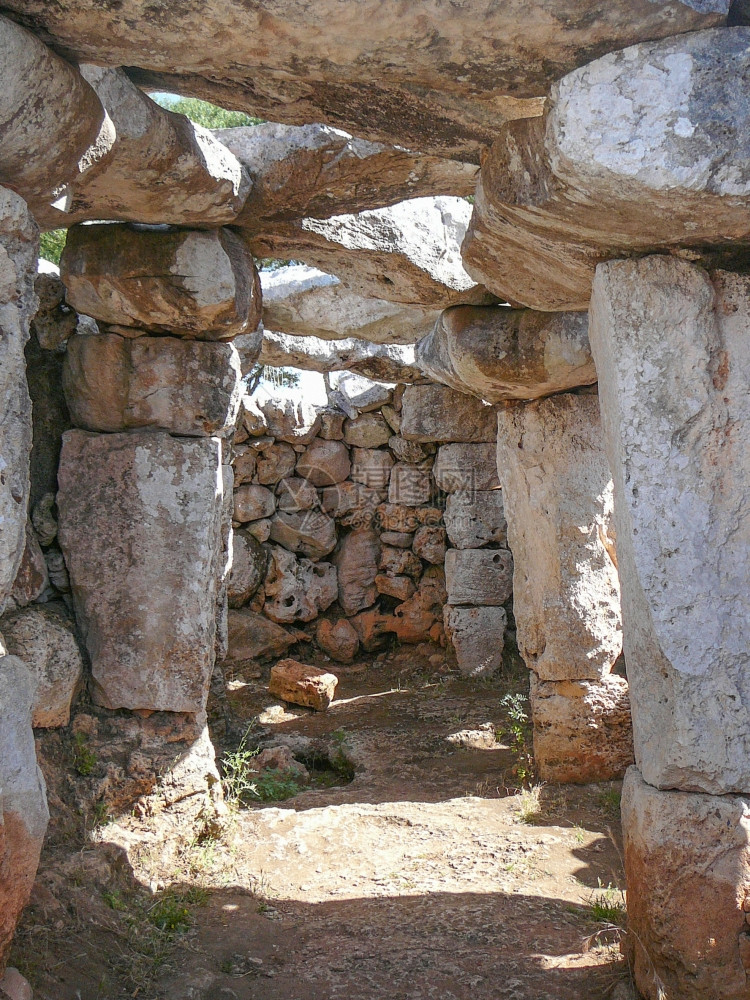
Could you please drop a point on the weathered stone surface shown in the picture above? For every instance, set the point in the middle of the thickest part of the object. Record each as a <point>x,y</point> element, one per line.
<point>221,635</point>
<point>498,353</point>
<point>18,252</point>
<point>687,864</point>
<point>396,517</point>
<point>252,417</point>
<point>399,539</point>
<point>371,467</point>
<point>252,502</point>
<point>161,168</point>
<point>357,564</point>
<point>640,150</point>
<point>399,562</point>
<point>339,639</point>
<point>352,504</point>
<point>23,809</point>
<point>324,463</point>
<point>31,579</point>
<point>372,627</point>
<point>369,430</point>
<point>302,684</point>
<point>199,285</point>
<point>52,124</point>
<point>297,589</point>
<point>310,532</point>
<point>14,986</point>
<point>410,485</point>
<point>252,636</point>
<point>316,171</point>
<point>261,530</point>
<point>466,468</point>
<point>392,362</point>
<point>295,494</point>
<point>249,564</point>
<point>355,394</point>
<point>332,425</point>
<point>414,619</point>
<point>400,587</point>
<point>582,729</point>
<point>54,321</point>
<point>436,413</point>
<point>276,462</point>
<point>145,605</point>
<point>672,350</point>
<point>479,576</point>
<point>557,492</point>
<point>474,519</point>
<point>432,78</point>
<point>189,388</point>
<point>407,451</point>
<point>43,636</point>
<point>245,464</point>
<point>430,544</point>
<point>292,420</point>
<point>301,301</point>
<point>410,252</point>
<point>478,637</point>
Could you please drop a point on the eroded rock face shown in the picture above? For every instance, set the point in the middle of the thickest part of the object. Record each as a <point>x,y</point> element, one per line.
<point>475,519</point>
<point>466,468</point>
<point>23,804</point>
<point>317,171</point>
<point>687,864</point>
<point>478,637</point>
<point>161,168</point>
<point>309,532</point>
<point>325,463</point>
<point>392,362</point>
<point>557,492</point>
<point>582,729</point>
<point>291,420</point>
<point>140,598</point>
<point>339,639</point>
<point>302,684</point>
<point>672,350</point>
<point>297,589</point>
<point>115,383</point>
<point>410,252</point>
<point>18,251</point>
<point>479,576</point>
<point>641,150</point>
<point>189,283</point>
<point>52,124</point>
<point>357,564</point>
<point>498,353</point>
<point>252,635</point>
<point>249,563</point>
<point>439,79</point>
<point>436,413</point>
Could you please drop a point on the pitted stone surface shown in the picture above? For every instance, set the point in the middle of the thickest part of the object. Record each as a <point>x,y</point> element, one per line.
<point>479,576</point>
<point>436,413</point>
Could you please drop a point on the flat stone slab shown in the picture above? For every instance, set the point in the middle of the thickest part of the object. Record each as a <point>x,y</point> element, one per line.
<point>302,684</point>
<point>479,576</point>
<point>478,637</point>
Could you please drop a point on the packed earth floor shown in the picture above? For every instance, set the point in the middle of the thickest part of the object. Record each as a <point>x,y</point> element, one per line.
<point>416,859</point>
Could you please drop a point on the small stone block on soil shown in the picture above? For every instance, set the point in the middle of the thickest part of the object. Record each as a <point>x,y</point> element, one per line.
<point>302,684</point>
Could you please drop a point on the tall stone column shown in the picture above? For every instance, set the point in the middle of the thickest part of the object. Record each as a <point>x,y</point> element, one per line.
<point>672,349</point>
<point>566,597</point>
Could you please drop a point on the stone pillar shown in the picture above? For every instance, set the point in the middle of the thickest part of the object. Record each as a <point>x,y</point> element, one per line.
<point>672,348</point>
<point>566,597</point>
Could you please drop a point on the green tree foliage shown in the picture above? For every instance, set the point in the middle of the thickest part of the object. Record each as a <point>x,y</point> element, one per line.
<point>51,245</point>
<point>203,113</point>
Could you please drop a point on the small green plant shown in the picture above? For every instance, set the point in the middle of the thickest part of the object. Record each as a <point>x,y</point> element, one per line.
<point>84,758</point>
<point>238,779</point>
<point>171,913</point>
<point>608,906</point>
<point>530,804</point>
<point>275,785</point>
<point>518,734</point>
<point>114,900</point>
<point>609,801</point>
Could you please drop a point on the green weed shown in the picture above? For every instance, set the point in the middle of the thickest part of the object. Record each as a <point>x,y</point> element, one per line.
<point>84,758</point>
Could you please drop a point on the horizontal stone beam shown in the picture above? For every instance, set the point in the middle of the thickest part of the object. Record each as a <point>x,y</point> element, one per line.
<point>381,362</point>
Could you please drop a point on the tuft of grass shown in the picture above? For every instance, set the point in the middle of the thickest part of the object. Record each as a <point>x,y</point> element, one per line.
<point>607,906</point>
<point>84,758</point>
<point>530,804</point>
<point>238,779</point>
<point>609,801</point>
<point>275,785</point>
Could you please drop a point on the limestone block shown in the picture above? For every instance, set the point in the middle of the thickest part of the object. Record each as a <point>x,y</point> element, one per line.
<point>23,810</point>
<point>409,252</point>
<point>415,618</point>
<point>357,563</point>
<point>252,636</point>
<point>295,494</point>
<point>302,684</point>
<point>397,517</point>
<point>196,284</point>
<point>339,639</point>
<point>245,464</point>
<point>687,864</point>
<point>292,420</point>
<point>140,527</point>
<point>318,171</point>
<point>189,388</point>
<point>18,252</point>
<point>297,589</point>
<point>474,519</point>
<point>371,467</point>
<point>479,576</point>
<point>252,502</point>
<point>275,462</point>
<point>398,562</point>
<point>54,322</point>
<point>466,468</point>
<point>31,579</point>
<point>369,430</point>
<point>355,394</point>
<point>252,417</point>
<point>499,353</point>
<point>398,539</point>
<point>478,637</point>
<point>310,532</point>
<point>352,504</point>
<point>557,492</point>
<point>260,529</point>
<point>372,627</point>
<point>43,636</point>
<point>410,485</point>
<point>324,463</point>
<point>582,729</point>
<point>672,350</point>
<point>301,301</point>
<point>432,78</point>
<point>430,543</point>
<point>332,425</point>
<point>436,413</point>
<point>641,150</point>
<point>249,564</point>
<point>407,451</point>
<point>400,587</point>
<point>392,362</point>
<point>53,125</point>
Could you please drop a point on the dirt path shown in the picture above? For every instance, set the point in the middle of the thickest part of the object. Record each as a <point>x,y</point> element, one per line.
<point>421,878</point>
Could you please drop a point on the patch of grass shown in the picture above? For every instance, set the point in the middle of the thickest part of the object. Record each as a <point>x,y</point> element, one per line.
<point>530,804</point>
<point>113,899</point>
<point>275,785</point>
<point>609,801</point>
<point>238,779</point>
<point>84,758</point>
<point>608,906</point>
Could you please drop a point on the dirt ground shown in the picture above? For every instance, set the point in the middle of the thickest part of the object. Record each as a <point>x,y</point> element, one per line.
<point>412,867</point>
